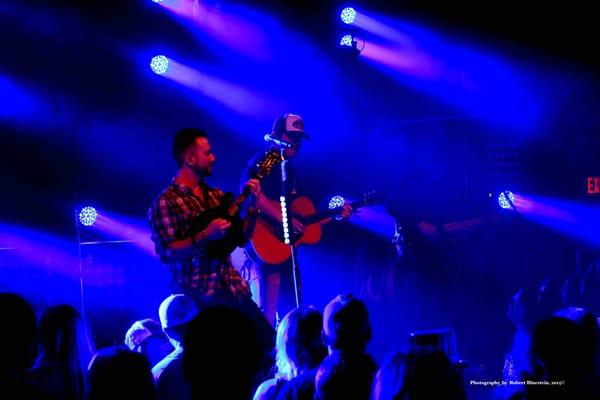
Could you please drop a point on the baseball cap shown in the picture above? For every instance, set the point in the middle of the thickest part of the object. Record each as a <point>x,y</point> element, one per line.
<point>176,309</point>
<point>291,124</point>
<point>140,331</point>
<point>346,321</point>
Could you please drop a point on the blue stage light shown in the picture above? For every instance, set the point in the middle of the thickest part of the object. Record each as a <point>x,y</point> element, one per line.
<point>336,201</point>
<point>87,216</point>
<point>506,199</point>
<point>159,64</point>
<point>348,15</point>
<point>346,40</point>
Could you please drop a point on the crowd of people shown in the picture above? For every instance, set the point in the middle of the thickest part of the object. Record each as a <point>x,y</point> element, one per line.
<point>214,352</point>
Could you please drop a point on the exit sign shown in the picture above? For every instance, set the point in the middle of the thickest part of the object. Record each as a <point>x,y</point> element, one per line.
<point>593,185</point>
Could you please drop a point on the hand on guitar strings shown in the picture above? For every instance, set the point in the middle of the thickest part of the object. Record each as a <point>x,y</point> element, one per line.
<point>297,226</point>
<point>347,210</point>
<point>254,185</point>
<point>216,229</point>
<point>427,229</point>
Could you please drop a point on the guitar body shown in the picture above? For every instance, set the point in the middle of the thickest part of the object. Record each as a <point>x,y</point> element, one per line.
<point>223,247</point>
<point>267,246</point>
<point>304,207</point>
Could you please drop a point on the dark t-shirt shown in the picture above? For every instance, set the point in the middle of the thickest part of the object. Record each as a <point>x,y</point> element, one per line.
<point>301,387</point>
<point>361,368</point>
<point>345,376</point>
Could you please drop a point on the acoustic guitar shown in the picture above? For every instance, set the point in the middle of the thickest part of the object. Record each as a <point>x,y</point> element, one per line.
<point>266,245</point>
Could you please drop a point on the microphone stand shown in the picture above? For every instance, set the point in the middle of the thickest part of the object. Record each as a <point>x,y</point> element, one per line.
<point>286,215</point>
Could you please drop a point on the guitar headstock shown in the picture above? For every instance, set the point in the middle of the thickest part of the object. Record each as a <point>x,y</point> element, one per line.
<point>264,167</point>
<point>370,198</point>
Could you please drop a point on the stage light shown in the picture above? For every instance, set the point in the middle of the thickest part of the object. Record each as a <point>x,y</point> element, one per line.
<point>336,201</point>
<point>506,199</point>
<point>348,15</point>
<point>157,1</point>
<point>159,64</point>
<point>349,45</point>
<point>87,216</point>
<point>347,40</point>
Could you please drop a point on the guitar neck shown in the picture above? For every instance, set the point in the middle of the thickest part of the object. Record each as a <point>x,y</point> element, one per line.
<point>323,215</point>
<point>263,168</point>
<point>466,224</point>
<point>234,208</point>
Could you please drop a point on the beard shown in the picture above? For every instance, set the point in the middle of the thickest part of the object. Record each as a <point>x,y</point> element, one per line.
<point>291,153</point>
<point>203,172</point>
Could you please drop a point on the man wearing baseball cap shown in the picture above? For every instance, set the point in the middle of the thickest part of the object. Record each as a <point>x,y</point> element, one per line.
<point>174,312</point>
<point>273,286</point>
<point>290,129</point>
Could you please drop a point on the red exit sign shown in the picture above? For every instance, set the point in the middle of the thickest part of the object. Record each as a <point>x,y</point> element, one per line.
<point>593,184</point>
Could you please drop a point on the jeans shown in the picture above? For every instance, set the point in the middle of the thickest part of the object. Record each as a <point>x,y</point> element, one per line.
<point>272,288</point>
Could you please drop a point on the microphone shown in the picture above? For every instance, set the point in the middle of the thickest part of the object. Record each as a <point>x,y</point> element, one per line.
<point>270,139</point>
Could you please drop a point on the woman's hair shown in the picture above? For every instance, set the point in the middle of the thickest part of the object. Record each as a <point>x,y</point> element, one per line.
<point>118,373</point>
<point>64,341</point>
<point>299,344</point>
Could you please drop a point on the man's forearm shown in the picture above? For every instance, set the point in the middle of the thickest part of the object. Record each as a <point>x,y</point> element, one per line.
<point>268,209</point>
<point>184,248</point>
<point>249,223</point>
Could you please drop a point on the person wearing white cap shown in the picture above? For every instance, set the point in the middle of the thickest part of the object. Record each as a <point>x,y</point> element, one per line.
<point>174,312</point>
<point>147,337</point>
<point>349,370</point>
<point>266,280</point>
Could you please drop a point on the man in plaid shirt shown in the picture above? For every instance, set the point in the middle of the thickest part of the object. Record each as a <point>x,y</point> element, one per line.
<point>195,273</point>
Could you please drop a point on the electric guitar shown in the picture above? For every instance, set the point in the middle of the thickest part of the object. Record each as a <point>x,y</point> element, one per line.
<point>267,244</point>
<point>425,236</point>
<point>229,209</point>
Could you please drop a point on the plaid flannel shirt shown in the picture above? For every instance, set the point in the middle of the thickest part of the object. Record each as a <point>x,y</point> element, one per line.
<point>170,218</point>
